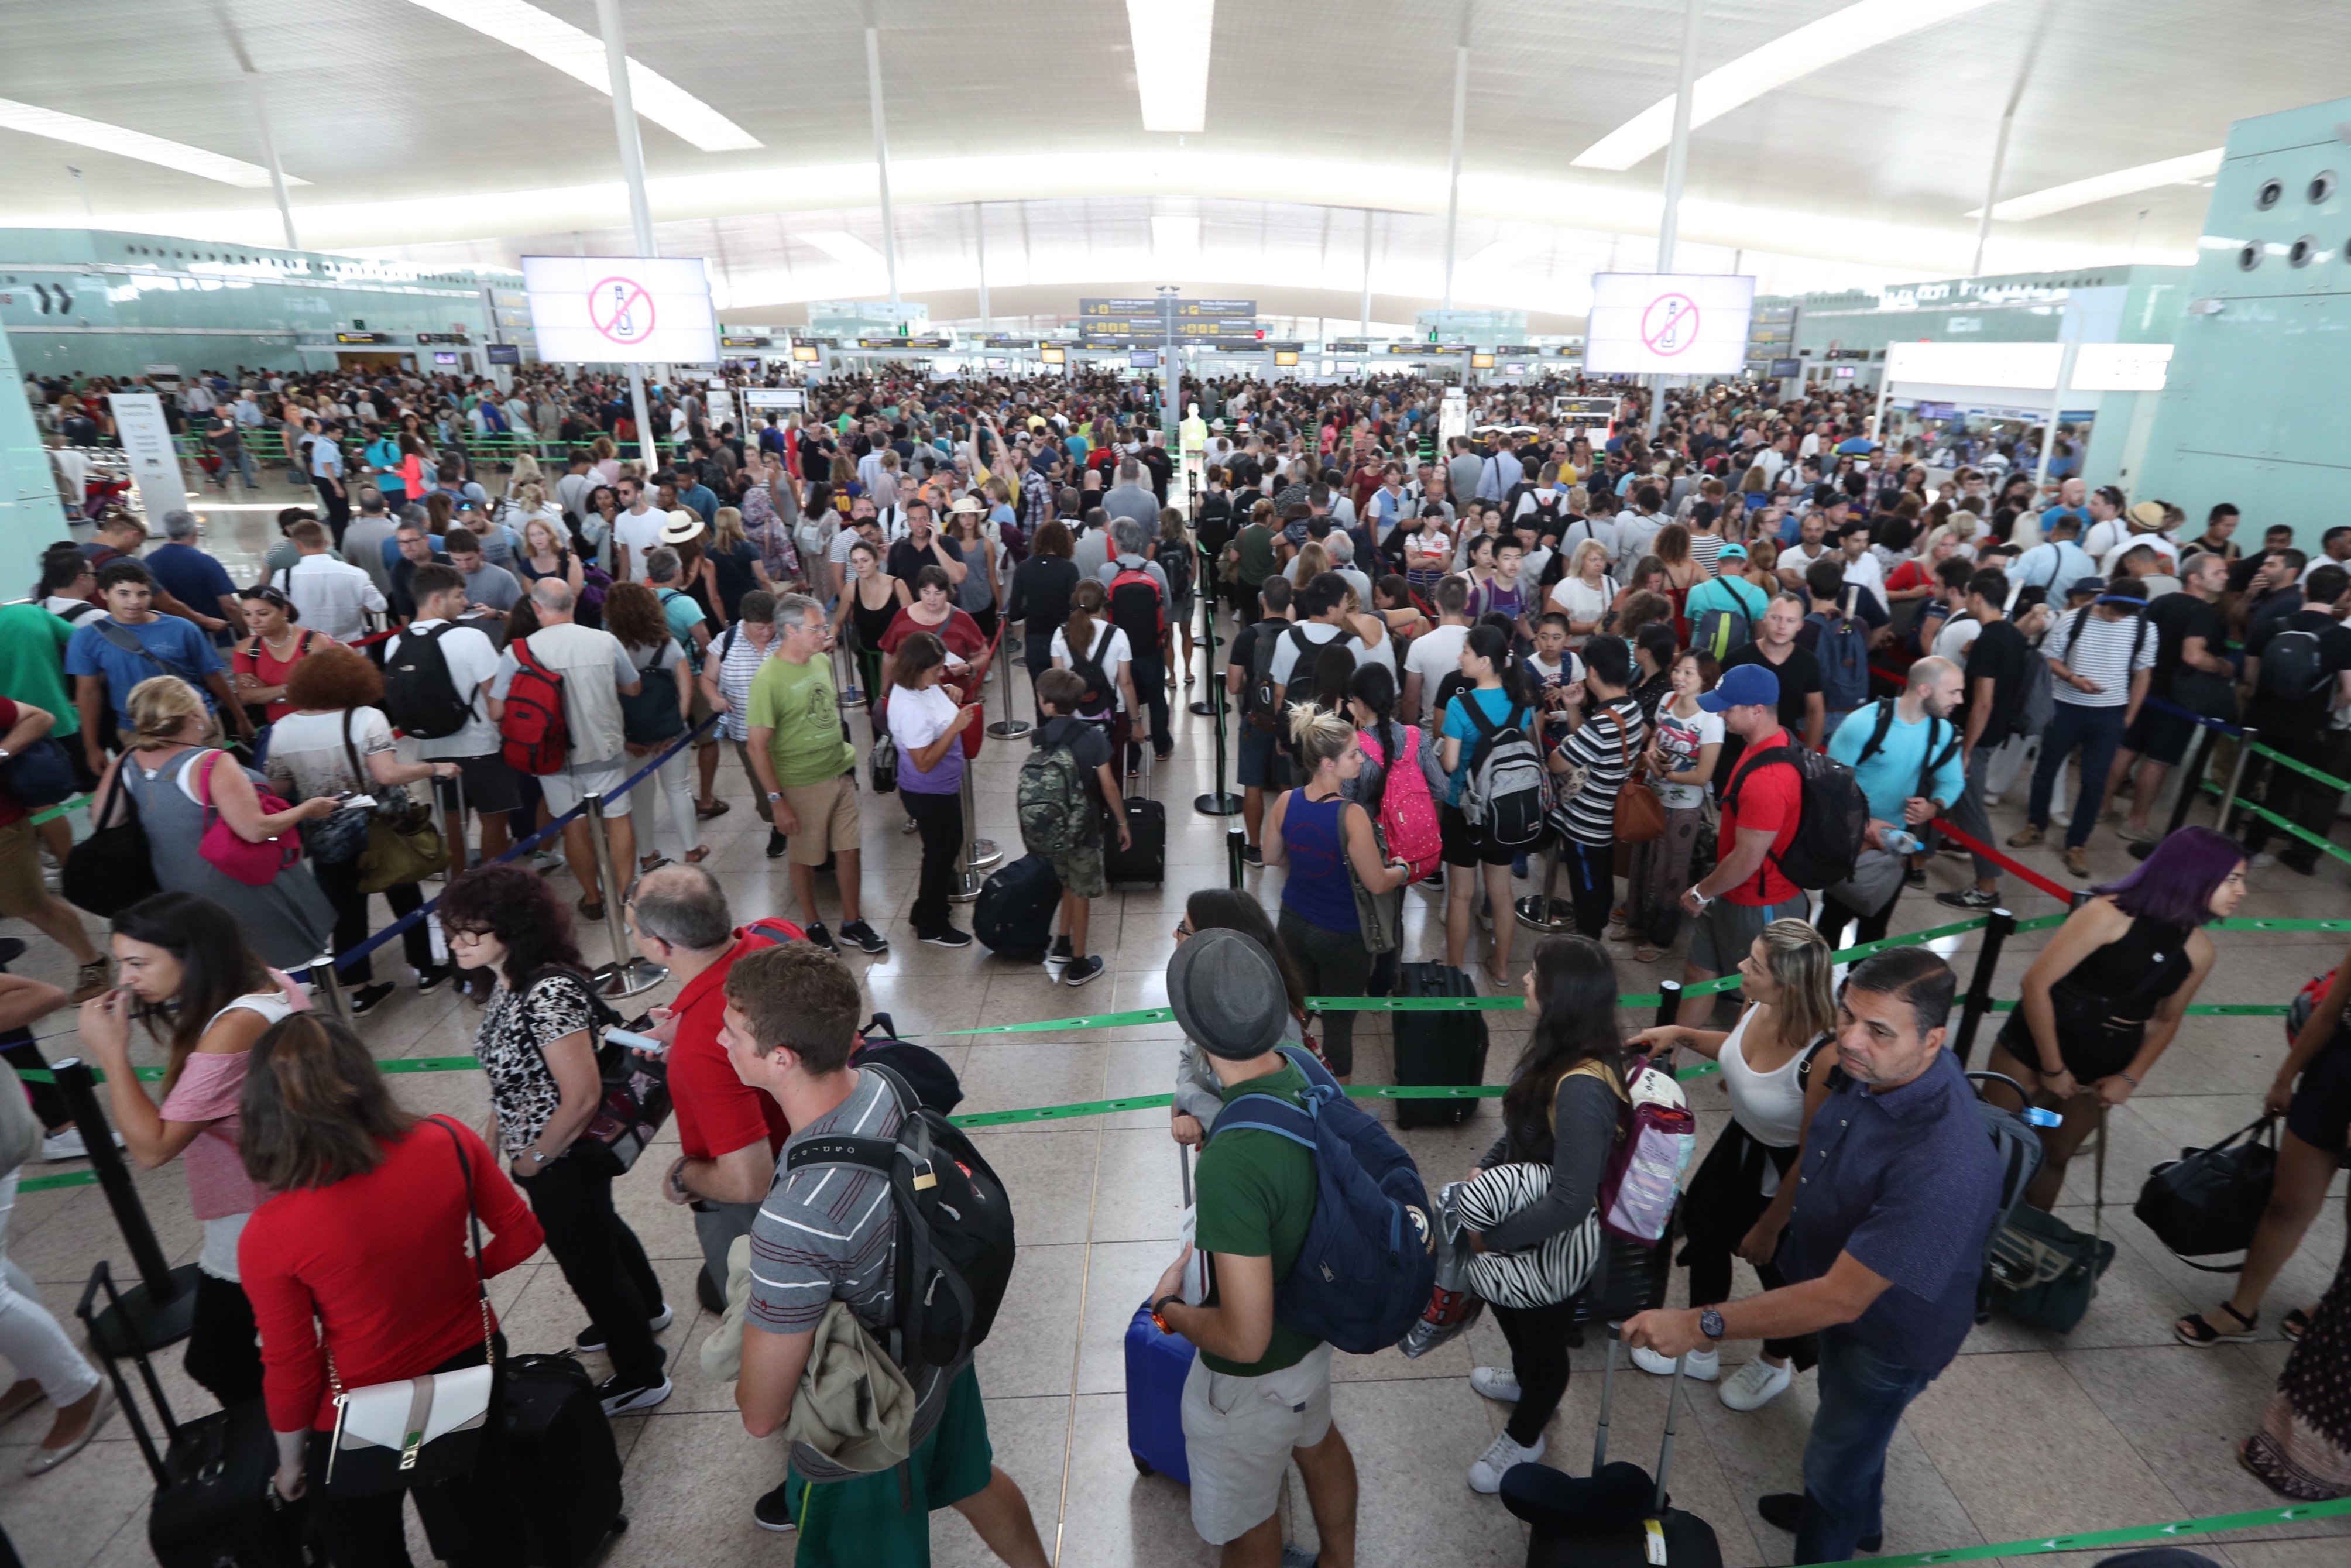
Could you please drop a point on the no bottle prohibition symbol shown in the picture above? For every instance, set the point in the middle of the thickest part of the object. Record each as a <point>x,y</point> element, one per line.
<point>1670,323</point>
<point>621,309</point>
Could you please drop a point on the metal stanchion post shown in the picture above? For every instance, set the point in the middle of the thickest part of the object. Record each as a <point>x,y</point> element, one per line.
<point>157,1310</point>
<point>979,855</point>
<point>1979,999</point>
<point>1541,910</point>
<point>1669,1001</point>
<point>844,681</point>
<point>2236,777</point>
<point>327,985</point>
<point>1011,726</point>
<point>627,973</point>
<point>1218,801</point>
<point>2192,779</point>
<point>1207,588</point>
<point>1234,840</point>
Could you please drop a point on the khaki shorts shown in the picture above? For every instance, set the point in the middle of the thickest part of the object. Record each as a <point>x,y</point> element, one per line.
<point>21,889</point>
<point>828,814</point>
<point>1238,1433</point>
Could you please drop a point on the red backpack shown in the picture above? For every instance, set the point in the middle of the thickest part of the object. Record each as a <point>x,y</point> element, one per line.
<point>1145,630</point>
<point>1408,811</point>
<point>538,738</point>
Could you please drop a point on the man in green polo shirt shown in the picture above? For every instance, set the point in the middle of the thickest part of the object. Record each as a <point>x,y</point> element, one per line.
<point>1259,1393</point>
<point>32,670</point>
<point>807,768</point>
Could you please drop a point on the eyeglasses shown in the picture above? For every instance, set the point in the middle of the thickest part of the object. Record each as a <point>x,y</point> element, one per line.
<point>1184,929</point>
<point>466,933</point>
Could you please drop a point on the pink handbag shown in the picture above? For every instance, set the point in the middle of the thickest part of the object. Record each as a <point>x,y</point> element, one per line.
<point>255,865</point>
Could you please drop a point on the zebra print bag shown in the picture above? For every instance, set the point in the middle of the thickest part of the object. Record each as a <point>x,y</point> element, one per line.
<point>1541,1276</point>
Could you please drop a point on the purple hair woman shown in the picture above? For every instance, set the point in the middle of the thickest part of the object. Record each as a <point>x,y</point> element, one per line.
<point>2105,999</point>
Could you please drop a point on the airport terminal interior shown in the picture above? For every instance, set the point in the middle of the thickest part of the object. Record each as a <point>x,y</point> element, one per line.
<point>1531,347</point>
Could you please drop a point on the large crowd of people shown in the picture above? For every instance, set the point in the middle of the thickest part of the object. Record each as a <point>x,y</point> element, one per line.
<point>1478,663</point>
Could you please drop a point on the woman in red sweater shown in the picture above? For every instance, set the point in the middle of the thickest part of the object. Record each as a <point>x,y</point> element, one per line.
<point>361,1256</point>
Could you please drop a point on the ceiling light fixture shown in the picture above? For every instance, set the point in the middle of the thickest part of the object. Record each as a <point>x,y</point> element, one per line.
<point>1171,61</point>
<point>845,248</point>
<point>581,55</point>
<point>1837,36</point>
<point>35,120</point>
<point>2189,169</point>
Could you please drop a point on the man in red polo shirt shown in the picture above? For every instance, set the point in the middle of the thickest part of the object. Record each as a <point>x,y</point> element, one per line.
<point>729,1133</point>
<point>1762,804</point>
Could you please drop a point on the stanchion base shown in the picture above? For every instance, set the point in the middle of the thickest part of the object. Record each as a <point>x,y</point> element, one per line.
<point>2138,851</point>
<point>1562,922</point>
<point>140,1322</point>
<point>852,697</point>
<point>627,979</point>
<point>1009,729</point>
<point>1206,710</point>
<point>1225,805</point>
<point>982,854</point>
<point>967,888</point>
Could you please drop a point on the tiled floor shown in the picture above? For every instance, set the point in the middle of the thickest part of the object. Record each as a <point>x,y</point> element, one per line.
<point>2028,1433</point>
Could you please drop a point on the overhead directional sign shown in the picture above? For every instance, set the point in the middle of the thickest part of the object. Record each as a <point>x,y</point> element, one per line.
<point>908,344</point>
<point>1155,320</point>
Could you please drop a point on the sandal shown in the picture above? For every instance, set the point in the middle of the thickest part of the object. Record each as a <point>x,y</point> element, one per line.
<point>2295,1324</point>
<point>697,854</point>
<point>2194,1332</point>
<point>715,808</point>
<point>1644,954</point>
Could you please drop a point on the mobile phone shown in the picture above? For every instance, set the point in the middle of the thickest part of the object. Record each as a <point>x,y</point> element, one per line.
<point>636,1042</point>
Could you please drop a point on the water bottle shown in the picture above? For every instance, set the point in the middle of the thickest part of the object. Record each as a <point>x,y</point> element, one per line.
<point>1900,841</point>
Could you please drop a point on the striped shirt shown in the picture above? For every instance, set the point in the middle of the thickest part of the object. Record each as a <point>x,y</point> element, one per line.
<point>2103,654</point>
<point>828,1230</point>
<point>1589,816</point>
<point>742,660</point>
<point>1706,551</point>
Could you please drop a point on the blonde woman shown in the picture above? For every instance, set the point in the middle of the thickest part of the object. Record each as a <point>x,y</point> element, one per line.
<point>604,460</point>
<point>1586,593</point>
<point>1738,1200</point>
<point>732,565</point>
<point>525,470</point>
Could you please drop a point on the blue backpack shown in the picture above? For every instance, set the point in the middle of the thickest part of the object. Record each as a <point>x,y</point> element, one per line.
<point>1843,651</point>
<point>1364,1274</point>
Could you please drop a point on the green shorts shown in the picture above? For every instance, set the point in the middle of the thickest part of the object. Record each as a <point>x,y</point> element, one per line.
<point>870,1522</point>
<point>1081,872</point>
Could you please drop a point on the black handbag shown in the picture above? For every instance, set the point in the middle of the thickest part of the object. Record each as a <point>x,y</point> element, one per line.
<point>635,1105</point>
<point>109,871</point>
<point>2210,1200</point>
<point>881,763</point>
<point>2046,1271</point>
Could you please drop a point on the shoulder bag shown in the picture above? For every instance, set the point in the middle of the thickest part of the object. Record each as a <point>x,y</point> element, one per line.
<point>1640,812</point>
<point>391,1436</point>
<point>229,851</point>
<point>109,871</point>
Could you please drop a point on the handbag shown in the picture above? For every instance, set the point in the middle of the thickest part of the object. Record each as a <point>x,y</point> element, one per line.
<point>882,761</point>
<point>1640,813</point>
<point>109,871</point>
<point>2046,1270</point>
<point>2210,1200</point>
<point>390,1436</point>
<point>1380,915</point>
<point>338,839</point>
<point>39,776</point>
<point>404,846</point>
<point>229,851</point>
<point>1541,1276</point>
<point>635,1105</point>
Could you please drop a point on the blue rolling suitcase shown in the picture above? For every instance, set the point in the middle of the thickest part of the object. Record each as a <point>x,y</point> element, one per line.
<point>1157,1366</point>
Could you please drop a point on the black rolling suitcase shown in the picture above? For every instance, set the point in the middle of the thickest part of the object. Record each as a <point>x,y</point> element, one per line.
<point>215,1504</point>
<point>563,1466</point>
<point>1616,1517</point>
<point>1438,1047</point>
<point>1014,916</point>
<point>1146,820</point>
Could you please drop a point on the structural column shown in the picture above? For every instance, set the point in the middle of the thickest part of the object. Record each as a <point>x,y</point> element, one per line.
<point>979,231</point>
<point>632,171</point>
<point>1677,171</point>
<point>1453,179</point>
<point>1364,330</point>
<point>881,158</point>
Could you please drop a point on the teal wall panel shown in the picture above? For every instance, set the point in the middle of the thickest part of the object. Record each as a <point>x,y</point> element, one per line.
<point>30,516</point>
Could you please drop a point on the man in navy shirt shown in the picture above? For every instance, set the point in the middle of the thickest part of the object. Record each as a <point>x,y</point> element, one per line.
<point>195,578</point>
<point>1897,1186</point>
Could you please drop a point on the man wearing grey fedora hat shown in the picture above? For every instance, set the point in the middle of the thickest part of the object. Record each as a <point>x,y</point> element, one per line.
<point>1259,1395</point>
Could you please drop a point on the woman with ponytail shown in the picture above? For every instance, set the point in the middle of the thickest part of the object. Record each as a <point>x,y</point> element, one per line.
<point>1402,757</point>
<point>357,1270</point>
<point>1089,644</point>
<point>1319,836</point>
<point>1497,689</point>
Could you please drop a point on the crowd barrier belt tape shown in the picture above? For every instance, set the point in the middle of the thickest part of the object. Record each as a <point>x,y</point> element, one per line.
<point>2258,749</point>
<point>2091,1540</point>
<point>2292,828</point>
<point>2031,878</point>
<point>59,809</point>
<point>2207,721</point>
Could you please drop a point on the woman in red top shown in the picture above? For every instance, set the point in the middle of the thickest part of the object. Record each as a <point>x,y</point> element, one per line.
<point>262,661</point>
<point>357,1269</point>
<point>933,611</point>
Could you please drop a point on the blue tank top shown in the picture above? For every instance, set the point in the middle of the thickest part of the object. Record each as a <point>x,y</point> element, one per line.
<point>1318,889</point>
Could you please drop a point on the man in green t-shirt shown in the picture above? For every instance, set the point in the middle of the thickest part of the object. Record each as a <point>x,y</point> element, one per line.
<point>807,766</point>
<point>1259,1393</point>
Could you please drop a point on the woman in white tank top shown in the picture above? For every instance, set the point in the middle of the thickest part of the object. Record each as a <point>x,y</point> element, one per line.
<point>1767,1069</point>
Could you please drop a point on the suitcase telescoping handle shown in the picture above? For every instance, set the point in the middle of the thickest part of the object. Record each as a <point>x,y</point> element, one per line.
<point>101,1277</point>
<point>1184,1165</point>
<point>1673,1415</point>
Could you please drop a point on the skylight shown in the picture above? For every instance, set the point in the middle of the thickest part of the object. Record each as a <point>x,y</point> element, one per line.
<point>2101,187</point>
<point>1171,61</point>
<point>72,128</point>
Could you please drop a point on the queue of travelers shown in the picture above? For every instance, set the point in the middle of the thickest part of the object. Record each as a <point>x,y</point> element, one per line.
<point>1538,652</point>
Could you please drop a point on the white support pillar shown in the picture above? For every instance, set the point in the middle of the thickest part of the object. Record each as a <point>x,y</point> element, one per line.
<point>1364,330</point>
<point>632,171</point>
<point>979,231</point>
<point>2069,332</point>
<point>882,157</point>
<point>1453,179</point>
<point>1677,171</point>
<point>269,151</point>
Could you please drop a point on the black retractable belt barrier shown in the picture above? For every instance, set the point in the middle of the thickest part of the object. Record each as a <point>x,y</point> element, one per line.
<point>1218,801</point>
<point>1669,1001</point>
<point>2001,925</point>
<point>157,1310</point>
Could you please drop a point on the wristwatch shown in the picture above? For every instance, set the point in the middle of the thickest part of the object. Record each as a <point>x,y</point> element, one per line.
<point>775,794</point>
<point>1709,1323</point>
<point>1159,1307</point>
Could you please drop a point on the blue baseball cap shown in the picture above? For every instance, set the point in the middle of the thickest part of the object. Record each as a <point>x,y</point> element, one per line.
<point>1748,685</point>
<point>1731,549</point>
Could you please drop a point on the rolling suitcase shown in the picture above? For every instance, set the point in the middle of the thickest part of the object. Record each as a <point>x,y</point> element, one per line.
<point>1438,1047</point>
<point>215,1506</point>
<point>563,1466</point>
<point>1615,1518</point>
<point>1014,916</point>
<point>1157,1366</point>
<point>1146,820</point>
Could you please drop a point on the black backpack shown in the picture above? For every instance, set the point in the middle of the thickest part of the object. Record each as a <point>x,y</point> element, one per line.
<point>2294,667</point>
<point>954,1245</point>
<point>1930,764</point>
<point>1832,819</point>
<point>1101,697</point>
<point>419,694</point>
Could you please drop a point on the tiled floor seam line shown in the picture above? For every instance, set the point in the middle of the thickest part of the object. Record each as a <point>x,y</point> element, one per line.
<point>1077,1354</point>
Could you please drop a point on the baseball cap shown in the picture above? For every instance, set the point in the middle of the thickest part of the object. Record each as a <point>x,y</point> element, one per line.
<point>1227,994</point>
<point>2087,585</point>
<point>1727,552</point>
<point>1748,685</point>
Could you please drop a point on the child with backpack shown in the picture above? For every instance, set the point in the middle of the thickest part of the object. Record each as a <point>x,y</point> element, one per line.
<point>1495,794</point>
<point>1838,631</point>
<point>1066,787</point>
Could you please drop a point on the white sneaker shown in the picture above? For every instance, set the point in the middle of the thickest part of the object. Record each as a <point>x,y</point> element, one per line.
<point>67,1146</point>
<point>1756,1384</point>
<point>2264,861</point>
<point>1700,1365</point>
<point>1486,1475</point>
<point>1496,1382</point>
